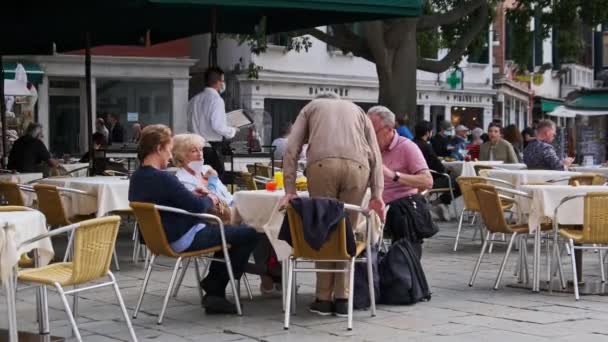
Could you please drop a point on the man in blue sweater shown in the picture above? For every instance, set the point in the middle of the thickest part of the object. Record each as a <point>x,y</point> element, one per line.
<point>186,233</point>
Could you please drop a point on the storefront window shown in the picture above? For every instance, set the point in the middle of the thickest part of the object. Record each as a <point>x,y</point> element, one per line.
<point>146,102</point>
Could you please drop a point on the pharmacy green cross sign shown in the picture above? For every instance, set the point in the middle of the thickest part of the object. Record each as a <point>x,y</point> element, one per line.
<point>453,80</point>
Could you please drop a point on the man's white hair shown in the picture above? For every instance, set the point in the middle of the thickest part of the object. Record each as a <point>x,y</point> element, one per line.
<point>328,95</point>
<point>387,116</point>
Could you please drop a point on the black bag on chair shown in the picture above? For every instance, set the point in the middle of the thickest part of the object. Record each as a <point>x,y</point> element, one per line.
<point>402,280</point>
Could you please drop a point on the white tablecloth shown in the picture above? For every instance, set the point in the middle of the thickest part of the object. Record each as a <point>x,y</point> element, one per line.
<point>112,193</point>
<point>467,169</point>
<point>20,178</point>
<point>260,210</point>
<point>17,227</point>
<point>591,169</point>
<point>79,173</point>
<point>522,177</point>
<point>545,198</point>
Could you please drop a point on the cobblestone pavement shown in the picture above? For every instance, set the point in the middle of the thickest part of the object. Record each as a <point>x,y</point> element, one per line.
<point>455,313</point>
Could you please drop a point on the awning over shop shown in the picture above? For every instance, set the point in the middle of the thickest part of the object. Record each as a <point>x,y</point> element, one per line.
<point>567,112</point>
<point>591,101</point>
<point>33,71</point>
<point>549,105</point>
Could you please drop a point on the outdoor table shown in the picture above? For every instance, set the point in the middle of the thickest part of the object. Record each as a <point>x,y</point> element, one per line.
<point>111,194</point>
<point>545,198</point>
<point>591,169</point>
<point>523,177</point>
<point>467,168</point>
<point>260,210</point>
<point>16,228</point>
<point>20,178</point>
<point>75,166</point>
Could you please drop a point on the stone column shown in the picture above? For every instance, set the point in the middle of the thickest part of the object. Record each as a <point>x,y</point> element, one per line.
<point>43,108</point>
<point>179,110</point>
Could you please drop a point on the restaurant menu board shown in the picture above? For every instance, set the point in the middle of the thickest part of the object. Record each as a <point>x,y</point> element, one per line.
<point>591,142</point>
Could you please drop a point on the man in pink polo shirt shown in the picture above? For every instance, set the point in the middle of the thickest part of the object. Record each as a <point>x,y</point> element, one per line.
<point>405,175</point>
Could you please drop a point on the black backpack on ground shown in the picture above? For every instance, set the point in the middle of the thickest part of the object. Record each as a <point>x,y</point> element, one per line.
<point>402,280</point>
<point>361,300</point>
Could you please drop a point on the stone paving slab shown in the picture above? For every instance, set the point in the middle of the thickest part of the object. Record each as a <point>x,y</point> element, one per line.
<point>456,311</point>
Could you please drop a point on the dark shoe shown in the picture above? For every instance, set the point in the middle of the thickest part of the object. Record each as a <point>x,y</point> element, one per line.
<point>321,307</point>
<point>218,305</point>
<point>341,307</point>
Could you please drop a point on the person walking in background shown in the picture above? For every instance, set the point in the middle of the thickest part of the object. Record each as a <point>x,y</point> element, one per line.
<point>280,143</point>
<point>403,130</point>
<point>512,135</point>
<point>343,160</point>
<point>441,140</point>
<point>497,148</point>
<point>476,141</point>
<point>540,154</point>
<point>117,132</point>
<point>207,118</point>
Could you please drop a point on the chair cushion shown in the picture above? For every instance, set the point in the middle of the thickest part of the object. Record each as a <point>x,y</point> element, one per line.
<point>202,252</point>
<point>49,275</point>
<point>574,234</point>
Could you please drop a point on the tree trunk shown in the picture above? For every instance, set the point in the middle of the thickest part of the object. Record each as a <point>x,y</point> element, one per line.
<point>397,81</point>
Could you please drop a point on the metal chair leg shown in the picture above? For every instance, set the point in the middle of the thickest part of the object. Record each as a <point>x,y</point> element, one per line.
<point>144,286</point>
<point>602,272</point>
<point>181,277</point>
<point>237,300</point>
<point>289,293</point>
<point>247,286</point>
<point>459,229</point>
<point>75,302</point>
<point>370,281</point>
<point>123,308</point>
<point>68,249</point>
<point>351,295</point>
<point>169,289</point>
<point>574,276</point>
<point>483,250</point>
<point>115,258</point>
<point>199,278</point>
<point>560,268</point>
<point>68,311</point>
<point>504,261</point>
<point>491,243</point>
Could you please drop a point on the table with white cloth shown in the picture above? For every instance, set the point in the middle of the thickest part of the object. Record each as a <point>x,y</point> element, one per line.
<point>81,167</point>
<point>20,178</point>
<point>109,194</point>
<point>523,177</point>
<point>545,198</point>
<point>467,168</point>
<point>600,170</point>
<point>16,228</point>
<point>260,210</point>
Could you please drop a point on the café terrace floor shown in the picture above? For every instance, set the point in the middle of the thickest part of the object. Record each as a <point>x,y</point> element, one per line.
<point>455,313</point>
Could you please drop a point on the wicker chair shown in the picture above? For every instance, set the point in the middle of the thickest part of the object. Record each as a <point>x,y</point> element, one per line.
<point>12,193</point>
<point>594,234</point>
<point>93,245</point>
<point>587,179</point>
<point>153,233</point>
<point>471,204</point>
<point>333,250</point>
<point>491,208</point>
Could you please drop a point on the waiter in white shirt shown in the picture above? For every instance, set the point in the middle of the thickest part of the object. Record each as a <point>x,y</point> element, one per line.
<point>207,118</point>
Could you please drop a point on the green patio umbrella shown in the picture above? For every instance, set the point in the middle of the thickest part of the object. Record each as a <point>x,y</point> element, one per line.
<point>71,24</point>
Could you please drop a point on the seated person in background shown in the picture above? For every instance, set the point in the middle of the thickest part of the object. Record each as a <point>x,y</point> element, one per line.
<point>476,142</point>
<point>150,183</point>
<point>458,144</point>
<point>423,131</point>
<point>136,133</point>
<point>29,152</point>
<point>405,175</point>
<point>497,148</point>
<point>441,140</point>
<point>403,130</point>
<point>540,154</point>
<point>512,135</point>
<point>528,134</point>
